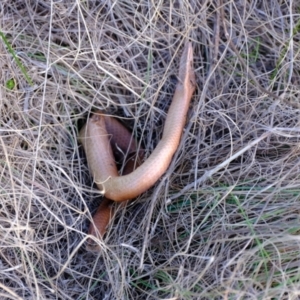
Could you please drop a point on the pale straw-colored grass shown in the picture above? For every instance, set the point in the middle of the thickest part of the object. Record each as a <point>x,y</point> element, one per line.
<point>223,222</point>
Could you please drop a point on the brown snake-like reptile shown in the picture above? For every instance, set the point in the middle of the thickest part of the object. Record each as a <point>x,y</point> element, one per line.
<point>102,135</point>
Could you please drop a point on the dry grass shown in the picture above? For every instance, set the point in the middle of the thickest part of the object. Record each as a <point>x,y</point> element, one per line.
<point>223,223</point>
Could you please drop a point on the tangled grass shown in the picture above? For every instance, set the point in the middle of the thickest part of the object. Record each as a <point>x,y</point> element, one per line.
<point>223,222</point>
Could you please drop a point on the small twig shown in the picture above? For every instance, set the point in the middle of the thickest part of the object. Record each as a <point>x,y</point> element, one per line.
<point>217,35</point>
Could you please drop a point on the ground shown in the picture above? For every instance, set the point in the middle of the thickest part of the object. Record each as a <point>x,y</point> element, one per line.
<point>223,222</point>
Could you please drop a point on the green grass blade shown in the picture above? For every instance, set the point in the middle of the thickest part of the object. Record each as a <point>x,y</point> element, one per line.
<point>19,63</point>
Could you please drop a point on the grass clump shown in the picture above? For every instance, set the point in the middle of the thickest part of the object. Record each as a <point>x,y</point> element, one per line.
<point>223,222</point>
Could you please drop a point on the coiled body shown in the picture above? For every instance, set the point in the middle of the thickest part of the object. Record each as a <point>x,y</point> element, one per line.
<point>102,134</point>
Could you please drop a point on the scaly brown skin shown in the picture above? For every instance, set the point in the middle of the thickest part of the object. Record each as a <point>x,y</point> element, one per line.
<point>124,149</point>
<point>106,211</point>
<point>99,135</point>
